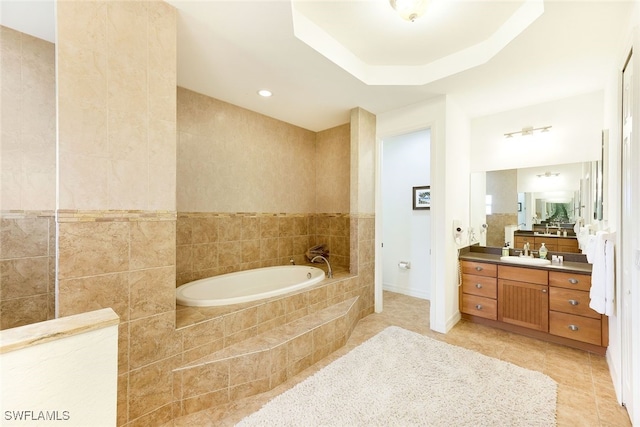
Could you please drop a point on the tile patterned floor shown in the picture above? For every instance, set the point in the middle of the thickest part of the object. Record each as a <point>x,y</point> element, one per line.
<point>585,390</point>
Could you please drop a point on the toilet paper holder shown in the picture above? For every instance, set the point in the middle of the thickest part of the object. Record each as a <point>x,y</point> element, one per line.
<point>404,265</point>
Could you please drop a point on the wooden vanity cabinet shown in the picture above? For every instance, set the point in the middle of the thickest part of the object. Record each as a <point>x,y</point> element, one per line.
<point>479,290</point>
<point>569,313</point>
<point>523,298</point>
<point>568,245</point>
<point>551,243</point>
<point>545,304</point>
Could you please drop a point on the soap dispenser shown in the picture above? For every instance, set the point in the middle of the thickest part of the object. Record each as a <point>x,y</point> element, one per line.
<point>505,250</point>
<point>543,251</point>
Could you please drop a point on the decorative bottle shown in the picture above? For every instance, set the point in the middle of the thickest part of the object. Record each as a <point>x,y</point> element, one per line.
<point>543,251</point>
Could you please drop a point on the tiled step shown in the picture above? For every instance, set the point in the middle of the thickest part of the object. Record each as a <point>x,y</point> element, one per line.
<point>260,363</point>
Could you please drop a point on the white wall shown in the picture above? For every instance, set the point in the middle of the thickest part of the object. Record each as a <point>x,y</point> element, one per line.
<point>449,193</point>
<point>574,137</point>
<point>406,232</point>
<point>612,212</point>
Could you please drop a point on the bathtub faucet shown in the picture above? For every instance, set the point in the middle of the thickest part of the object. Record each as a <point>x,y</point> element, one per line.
<point>329,272</point>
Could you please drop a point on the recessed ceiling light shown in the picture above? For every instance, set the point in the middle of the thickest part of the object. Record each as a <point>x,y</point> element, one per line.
<point>264,92</point>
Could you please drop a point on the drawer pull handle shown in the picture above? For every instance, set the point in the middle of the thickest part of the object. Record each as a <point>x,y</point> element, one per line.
<point>479,306</point>
<point>544,291</point>
<point>478,268</point>
<point>573,281</point>
<point>479,285</point>
<point>573,327</point>
<point>574,302</point>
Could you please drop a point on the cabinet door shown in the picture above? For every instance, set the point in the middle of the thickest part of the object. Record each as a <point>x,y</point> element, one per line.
<point>523,304</point>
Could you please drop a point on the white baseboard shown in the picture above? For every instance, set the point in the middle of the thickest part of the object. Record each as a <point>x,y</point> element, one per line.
<point>410,292</point>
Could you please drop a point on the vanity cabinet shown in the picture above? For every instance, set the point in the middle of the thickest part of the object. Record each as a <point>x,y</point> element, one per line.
<point>479,290</point>
<point>552,243</point>
<point>570,315</point>
<point>542,303</point>
<point>523,297</point>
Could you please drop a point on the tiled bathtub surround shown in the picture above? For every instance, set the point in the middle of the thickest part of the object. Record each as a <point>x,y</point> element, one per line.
<point>126,260</point>
<point>27,263</point>
<point>209,244</point>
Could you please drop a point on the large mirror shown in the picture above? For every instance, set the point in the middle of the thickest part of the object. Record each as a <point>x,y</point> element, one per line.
<point>547,200</point>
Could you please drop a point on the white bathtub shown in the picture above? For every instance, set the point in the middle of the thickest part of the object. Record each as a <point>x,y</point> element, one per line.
<point>249,285</point>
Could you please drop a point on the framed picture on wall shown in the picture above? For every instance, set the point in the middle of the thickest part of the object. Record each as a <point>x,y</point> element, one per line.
<point>422,197</point>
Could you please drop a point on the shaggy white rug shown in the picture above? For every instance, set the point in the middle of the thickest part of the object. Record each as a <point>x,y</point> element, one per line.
<point>401,378</point>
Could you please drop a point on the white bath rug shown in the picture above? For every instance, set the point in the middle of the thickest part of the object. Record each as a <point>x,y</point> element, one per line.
<point>401,378</point>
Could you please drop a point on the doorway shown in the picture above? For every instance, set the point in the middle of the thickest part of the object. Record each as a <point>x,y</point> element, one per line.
<point>406,229</point>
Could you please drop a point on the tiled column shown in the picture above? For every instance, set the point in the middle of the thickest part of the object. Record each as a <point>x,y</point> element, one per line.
<point>362,240</point>
<point>117,156</point>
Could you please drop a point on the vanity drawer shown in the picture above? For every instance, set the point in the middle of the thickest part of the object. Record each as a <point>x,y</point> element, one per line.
<point>479,268</point>
<point>519,274</point>
<point>480,285</point>
<point>479,306</point>
<point>574,327</point>
<point>571,301</point>
<point>581,282</point>
<point>568,245</point>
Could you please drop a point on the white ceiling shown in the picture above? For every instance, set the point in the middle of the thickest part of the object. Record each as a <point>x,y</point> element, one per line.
<point>491,56</point>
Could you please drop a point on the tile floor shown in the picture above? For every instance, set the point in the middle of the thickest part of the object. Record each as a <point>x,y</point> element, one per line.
<point>585,390</point>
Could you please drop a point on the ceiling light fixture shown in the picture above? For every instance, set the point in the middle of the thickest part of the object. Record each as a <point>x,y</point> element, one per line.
<point>265,93</point>
<point>527,131</point>
<point>409,10</point>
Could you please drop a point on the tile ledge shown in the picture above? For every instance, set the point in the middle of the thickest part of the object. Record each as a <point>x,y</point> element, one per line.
<point>55,329</point>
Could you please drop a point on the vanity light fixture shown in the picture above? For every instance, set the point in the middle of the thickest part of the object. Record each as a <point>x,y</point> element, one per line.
<point>409,10</point>
<point>527,131</point>
<point>548,174</point>
<point>265,93</point>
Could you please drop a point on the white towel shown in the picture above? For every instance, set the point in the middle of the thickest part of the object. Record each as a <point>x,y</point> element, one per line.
<point>602,274</point>
<point>590,247</point>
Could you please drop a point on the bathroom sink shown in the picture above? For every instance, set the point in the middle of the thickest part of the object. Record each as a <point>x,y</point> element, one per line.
<point>525,260</point>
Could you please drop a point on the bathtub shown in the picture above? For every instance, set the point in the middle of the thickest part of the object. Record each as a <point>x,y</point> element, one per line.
<point>249,285</point>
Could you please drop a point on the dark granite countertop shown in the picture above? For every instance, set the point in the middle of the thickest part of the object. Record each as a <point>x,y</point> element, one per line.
<point>574,263</point>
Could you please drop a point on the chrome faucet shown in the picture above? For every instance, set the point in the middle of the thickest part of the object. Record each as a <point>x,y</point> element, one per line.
<point>526,249</point>
<point>329,272</point>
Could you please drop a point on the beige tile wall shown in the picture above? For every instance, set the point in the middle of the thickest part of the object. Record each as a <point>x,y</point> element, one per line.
<point>496,223</point>
<point>27,263</point>
<point>27,178</point>
<point>209,244</point>
<point>333,156</point>
<point>126,261</point>
<point>234,160</point>
<point>27,122</point>
<point>116,103</point>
